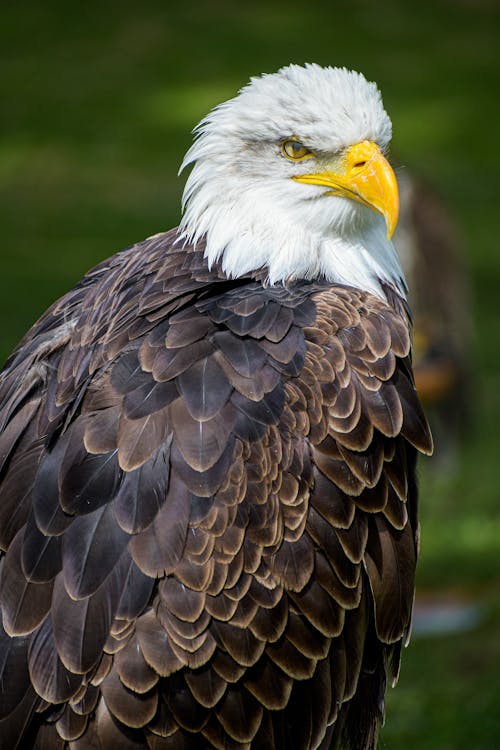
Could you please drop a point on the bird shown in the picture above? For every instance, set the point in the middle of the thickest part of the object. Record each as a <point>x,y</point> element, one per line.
<point>429,244</point>
<point>208,447</point>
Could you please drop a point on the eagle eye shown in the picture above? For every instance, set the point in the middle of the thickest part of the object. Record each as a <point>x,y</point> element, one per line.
<point>294,150</point>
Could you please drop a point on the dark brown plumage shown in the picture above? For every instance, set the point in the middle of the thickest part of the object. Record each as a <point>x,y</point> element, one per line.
<point>208,511</point>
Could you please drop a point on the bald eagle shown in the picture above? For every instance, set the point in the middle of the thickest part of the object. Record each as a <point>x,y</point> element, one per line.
<point>208,502</point>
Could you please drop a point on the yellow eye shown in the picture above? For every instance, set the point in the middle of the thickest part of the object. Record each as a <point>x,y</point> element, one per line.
<point>294,150</point>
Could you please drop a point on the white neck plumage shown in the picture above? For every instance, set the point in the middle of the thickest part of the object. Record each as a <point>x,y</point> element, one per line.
<point>248,227</point>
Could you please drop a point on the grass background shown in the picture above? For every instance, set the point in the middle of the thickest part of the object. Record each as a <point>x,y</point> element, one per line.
<point>98,100</point>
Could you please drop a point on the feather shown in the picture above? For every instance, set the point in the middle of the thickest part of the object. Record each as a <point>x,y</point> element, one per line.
<point>331,464</point>
<point>306,638</point>
<point>143,491</point>
<point>390,564</point>
<point>346,596</point>
<point>353,642</point>
<point>101,430</point>
<point>86,480</point>
<point>290,660</point>
<point>13,672</point>
<point>49,516</point>
<point>240,643</point>
<point>155,645</point>
<point>384,409</point>
<point>182,602</point>
<point>148,398</point>
<point>244,613</point>
<point>328,542</point>
<point>181,334</point>
<point>226,667</point>
<point>169,363</point>
<point>395,510</point>
<point>206,686</point>
<point>264,596</point>
<point>127,374</point>
<point>40,554</point>
<point>365,465</point>
<point>71,725</point>
<point>269,624</point>
<point>374,499</point>
<point>240,714</point>
<point>320,609</point>
<point>397,469</point>
<point>52,681</point>
<point>353,539</point>
<point>257,324</point>
<point>194,576</point>
<point>400,336</point>
<point>334,505</point>
<point>221,607</point>
<point>188,636</point>
<point>114,734</point>
<point>348,423</point>
<point>130,708</point>
<point>140,439</point>
<point>199,656</point>
<point>244,355</point>
<point>16,493</point>
<point>91,548</point>
<point>136,592</point>
<point>158,548</point>
<point>204,484</point>
<point>263,380</point>
<point>320,692</point>
<point>14,429</point>
<point>358,438</point>
<point>287,348</point>
<point>218,739</point>
<point>184,708</point>
<point>247,306</point>
<point>269,685</point>
<point>415,427</point>
<point>248,430</point>
<point>24,604</point>
<point>378,335</point>
<point>81,626</point>
<point>201,443</point>
<point>266,410</point>
<point>352,337</point>
<point>15,725</point>
<point>163,732</point>
<point>281,325</point>
<point>85,703</point>
<point>204,388</point>
<point>345,401</point>
<point>293,563</point>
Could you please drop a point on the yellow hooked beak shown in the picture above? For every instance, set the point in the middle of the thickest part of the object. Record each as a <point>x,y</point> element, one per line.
<point>365,176</point>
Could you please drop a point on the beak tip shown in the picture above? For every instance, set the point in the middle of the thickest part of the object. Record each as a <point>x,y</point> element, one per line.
<point>391,224</point>
<point>391,216</point>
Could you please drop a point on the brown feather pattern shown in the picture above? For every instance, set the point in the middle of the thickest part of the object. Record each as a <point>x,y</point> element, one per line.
<point>208,510</point>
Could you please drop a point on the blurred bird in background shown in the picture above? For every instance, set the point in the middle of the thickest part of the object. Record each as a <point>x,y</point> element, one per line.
<point>430,248</point>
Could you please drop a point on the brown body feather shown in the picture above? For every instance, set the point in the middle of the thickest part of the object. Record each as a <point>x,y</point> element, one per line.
<point>208,511</point>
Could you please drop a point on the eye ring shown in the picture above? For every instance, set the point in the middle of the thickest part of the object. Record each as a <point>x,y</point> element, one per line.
<point>294,150</point>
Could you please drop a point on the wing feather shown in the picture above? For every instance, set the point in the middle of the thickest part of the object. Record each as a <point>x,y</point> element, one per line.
<point>209,510</point>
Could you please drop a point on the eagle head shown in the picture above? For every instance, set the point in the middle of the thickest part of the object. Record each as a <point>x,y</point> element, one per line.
<point>291,176</point>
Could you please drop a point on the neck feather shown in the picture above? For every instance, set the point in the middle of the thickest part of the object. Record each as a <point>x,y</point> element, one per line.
<point>247,230</point>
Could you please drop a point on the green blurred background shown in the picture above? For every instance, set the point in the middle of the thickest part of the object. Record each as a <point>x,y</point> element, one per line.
<point>98,101</point>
